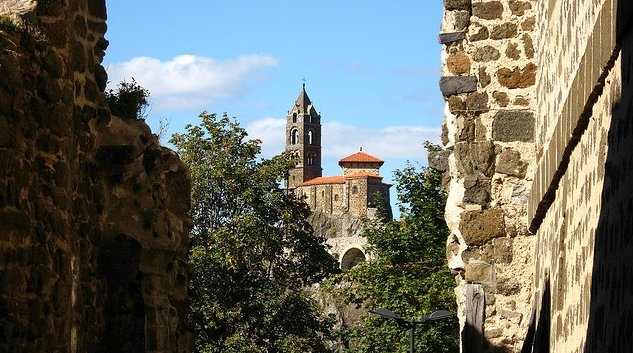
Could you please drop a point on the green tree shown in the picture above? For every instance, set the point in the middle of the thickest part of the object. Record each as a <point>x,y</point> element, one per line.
<point>252,249</point>
<point>408,274</point>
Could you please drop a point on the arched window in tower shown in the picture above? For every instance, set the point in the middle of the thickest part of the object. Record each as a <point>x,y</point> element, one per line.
<point>310,138</point>
<point>294,117</point>
<point>310,159</point>
<point>294,137</point>
<point>354,190</point>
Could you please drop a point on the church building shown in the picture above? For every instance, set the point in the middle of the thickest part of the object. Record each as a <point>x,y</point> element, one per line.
<point>339,203</point>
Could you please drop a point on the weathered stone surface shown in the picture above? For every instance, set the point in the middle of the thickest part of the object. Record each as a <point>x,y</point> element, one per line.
<point>481,33</point>
<point>528,46</point>
<point>463,5</point>
<point>513,126</point>
<point>486,53</point>
<point>444,135</point>
<point>484,77</point>
<point>458,63</point>
<point>462,20</point>
<point>456,104</point>
<point>502,250</point>
<point>504,31</point>
<point>82,214</point>
<point>480,227</point>
<point>517,77</point>
<point>477,102</point>
<point>476,190</point>
<point>476,158</point>
<point>529,24</point>
<point>478,272</point>
<point>509,162</point>
<point>519,8</point>
<point>501,98</point>
<point>439,160</point>
<point>490,10</point>
<point>447,38</point>
<point>512,51</point>
<point>450,85</point>
<point>465,129</point>
<point>521,101</point>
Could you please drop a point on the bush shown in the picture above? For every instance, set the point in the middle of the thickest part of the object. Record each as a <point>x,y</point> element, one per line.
<point>129,100</point>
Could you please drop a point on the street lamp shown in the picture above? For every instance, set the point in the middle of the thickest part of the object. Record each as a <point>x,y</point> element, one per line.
<point>411,324</point>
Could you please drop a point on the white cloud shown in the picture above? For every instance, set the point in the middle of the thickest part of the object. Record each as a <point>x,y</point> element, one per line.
<point>190,81</point>
<point>340,140</point>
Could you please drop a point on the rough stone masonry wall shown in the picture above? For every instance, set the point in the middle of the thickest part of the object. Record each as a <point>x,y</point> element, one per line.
<point>488,80</point>
<point>93,211</point>
<point>581,204</point>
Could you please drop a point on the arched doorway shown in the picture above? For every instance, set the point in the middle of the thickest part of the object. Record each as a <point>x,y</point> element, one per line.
<point>351,258</point>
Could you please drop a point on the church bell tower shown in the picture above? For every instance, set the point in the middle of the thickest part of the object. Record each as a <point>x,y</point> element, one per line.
<point>303,140</point>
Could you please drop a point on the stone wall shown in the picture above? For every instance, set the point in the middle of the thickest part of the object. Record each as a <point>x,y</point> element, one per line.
<point>540,137</point>
<point>488,81</point>
<point>93,211</point>
<point>581,204</point>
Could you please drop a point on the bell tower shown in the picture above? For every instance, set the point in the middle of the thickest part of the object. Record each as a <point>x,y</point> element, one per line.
<point>303,140</point>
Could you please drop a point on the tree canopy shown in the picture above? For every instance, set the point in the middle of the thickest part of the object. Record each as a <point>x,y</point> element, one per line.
<point>252,249</point>
<point>408,273</point>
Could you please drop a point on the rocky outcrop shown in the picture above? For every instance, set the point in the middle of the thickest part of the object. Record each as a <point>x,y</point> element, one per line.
<point>93,211</point>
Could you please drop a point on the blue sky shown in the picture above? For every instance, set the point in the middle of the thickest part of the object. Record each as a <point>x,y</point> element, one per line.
<point>371,68</point>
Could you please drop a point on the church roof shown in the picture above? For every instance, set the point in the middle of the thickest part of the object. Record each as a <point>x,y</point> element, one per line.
<point>340,179</point>
<point>325,180</point>
<point>361,157</point>
<point>303,101</point>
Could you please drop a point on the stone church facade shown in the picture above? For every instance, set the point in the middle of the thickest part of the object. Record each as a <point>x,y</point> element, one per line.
<point>339,203</point>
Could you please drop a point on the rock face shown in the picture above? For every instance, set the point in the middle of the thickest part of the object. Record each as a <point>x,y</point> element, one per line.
<point>540,193</point>
<point>93,211</point>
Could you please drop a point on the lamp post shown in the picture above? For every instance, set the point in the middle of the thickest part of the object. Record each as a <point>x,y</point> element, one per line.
<point>411,324</point>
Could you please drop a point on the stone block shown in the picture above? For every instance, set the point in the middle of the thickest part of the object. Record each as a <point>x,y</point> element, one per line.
<point>512,51</point>
<point>447,38</point>
<point>517,77</point>
<point>465,129</point>
<point>504,31</point>
<point>456,104</point>
<point>458,63</point>
<point>519,8</point>
<point>439,160</point>
<point>486,53</point>
<point>450,85</point>
<point>463,5</point>
<point>476,190</point>
<point>477,158</point>
<point>501,98</point>
<point>490,10</point>
<point>477,102</point>
<point>462,20</point>
<point>528,46</point>
<point>502,250</point>
<point>479,32</point>
<point>484,77</point>
<point>478,272</point>
<point>509,162</point>
<point>509,126</point>
<point>480,227</point>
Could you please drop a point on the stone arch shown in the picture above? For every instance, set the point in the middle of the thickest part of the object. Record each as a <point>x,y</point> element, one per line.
<point>294,137</point>
<point>351,258</point>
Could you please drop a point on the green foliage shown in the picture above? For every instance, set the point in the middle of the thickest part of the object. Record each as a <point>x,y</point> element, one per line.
<point>408,274</point>
<point>129,100</point>
<point>252,249</point>
<point>8,25</point>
